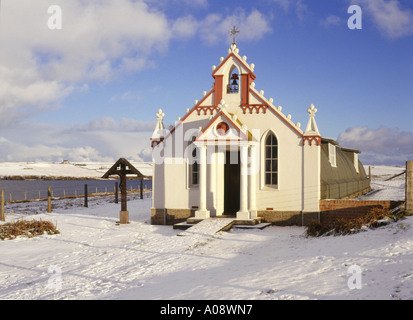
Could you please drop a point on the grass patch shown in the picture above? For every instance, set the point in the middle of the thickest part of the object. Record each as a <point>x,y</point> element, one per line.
<point>375,218</point>
<point>28,229</point>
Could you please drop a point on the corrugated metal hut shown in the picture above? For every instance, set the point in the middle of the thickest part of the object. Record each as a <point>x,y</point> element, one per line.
<point>342,173</point>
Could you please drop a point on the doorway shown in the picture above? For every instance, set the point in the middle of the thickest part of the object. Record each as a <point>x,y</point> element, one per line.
<point>232,182</point>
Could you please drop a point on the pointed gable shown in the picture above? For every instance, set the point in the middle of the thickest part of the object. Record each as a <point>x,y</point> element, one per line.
<point>233,58</point>
<point>224,127</point>
<point>222,75</point>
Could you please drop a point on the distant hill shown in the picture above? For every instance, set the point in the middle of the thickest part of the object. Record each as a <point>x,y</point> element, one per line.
<point>62,170</point>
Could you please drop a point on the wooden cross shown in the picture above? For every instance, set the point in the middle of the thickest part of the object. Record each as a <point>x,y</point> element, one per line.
<point>233,31</point>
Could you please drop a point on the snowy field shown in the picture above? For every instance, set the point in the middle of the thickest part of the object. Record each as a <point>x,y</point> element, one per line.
<point>387,183</point>
<point>94,258</point>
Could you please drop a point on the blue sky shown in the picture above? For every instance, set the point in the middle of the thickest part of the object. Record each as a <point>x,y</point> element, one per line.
<point>90,91</point>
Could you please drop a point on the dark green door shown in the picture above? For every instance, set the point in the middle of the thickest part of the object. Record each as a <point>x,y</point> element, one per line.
<point>232,182</point>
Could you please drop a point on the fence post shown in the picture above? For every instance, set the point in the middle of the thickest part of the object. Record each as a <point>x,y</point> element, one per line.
<point>86,205</point>
<point>116,193</point>
<point>2,216</point>
<point>141,188</point>
<point>49,200</point>
<point>409,187</point>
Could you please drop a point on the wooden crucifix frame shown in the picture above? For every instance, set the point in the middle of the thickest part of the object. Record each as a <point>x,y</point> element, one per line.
<point>122,168</point>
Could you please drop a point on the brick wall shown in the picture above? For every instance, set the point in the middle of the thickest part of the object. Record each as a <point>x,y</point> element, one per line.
<point>331,210</point>
<point>172,216</point>
<point>287,218</point>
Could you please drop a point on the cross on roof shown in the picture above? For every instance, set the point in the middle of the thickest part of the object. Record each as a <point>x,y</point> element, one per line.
<point>233,31</point>
<point>312,110</point>
<point>160,115</point>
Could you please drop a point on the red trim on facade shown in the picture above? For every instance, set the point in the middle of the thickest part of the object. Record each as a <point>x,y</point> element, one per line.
<point>198,105</point>
<point>247,79</point>
<point>245,89</point>
<point>310,140</point>
<point>256,107</point>
<point>156,142</point>
<point>217,140</point>
<point>213,120</point>
<point>187,115</point>
<point>217,90</point>
<point>211,110</point>
<point>241,61</point>
<point>253,91</point>
<point>219,83</point>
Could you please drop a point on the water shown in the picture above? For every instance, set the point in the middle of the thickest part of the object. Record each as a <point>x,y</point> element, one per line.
<point>31,189</point>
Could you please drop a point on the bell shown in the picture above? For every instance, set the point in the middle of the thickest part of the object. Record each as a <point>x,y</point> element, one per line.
<point>234,82</point>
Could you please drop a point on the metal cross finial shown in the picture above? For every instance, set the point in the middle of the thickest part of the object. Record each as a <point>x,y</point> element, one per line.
<point>233,31</point>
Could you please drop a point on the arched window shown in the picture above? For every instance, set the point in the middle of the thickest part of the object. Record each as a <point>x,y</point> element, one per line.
<point>193,164</point>
<point>271,160</point>
<point>233,81</point>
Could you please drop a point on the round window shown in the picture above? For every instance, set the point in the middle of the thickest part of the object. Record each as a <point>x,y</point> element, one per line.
<point>222,128</point>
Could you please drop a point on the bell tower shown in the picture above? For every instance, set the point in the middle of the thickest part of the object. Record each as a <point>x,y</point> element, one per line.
<point>233,77</point>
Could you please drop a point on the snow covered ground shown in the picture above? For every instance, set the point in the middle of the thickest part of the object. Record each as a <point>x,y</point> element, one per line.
<point>94,258</point>
<point>387,183</point>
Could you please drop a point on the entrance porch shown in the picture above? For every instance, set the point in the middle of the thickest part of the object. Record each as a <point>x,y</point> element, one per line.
<point>227,180</point>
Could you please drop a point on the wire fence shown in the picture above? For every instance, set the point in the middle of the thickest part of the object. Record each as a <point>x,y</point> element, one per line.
<point>343,189</point>
<point>60,192</point>
<point>18,191</point>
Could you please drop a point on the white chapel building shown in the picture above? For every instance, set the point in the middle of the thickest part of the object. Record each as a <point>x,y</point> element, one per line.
<point>235,153</point>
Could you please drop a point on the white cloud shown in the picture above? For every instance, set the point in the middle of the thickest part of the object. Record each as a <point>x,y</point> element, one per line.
<point>215,27</point>
<point>331,20</point>
<point>379,146</point>
<point>99,140</point>
<point>393,20</point>
<point>284,4</point>
<point>179,3</point>
<point>109,124</point>
<point>299,7</point>
<point>185,27</point>
<point>253,26</point>
<point>99,41</point>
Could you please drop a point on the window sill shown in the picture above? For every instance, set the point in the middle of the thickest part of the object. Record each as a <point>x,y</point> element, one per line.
<point>269,187</point>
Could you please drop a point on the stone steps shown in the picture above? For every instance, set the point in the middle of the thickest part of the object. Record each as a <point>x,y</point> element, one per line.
<point>216,224</point>
<point>259,226</point>
<point>208,227</point>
